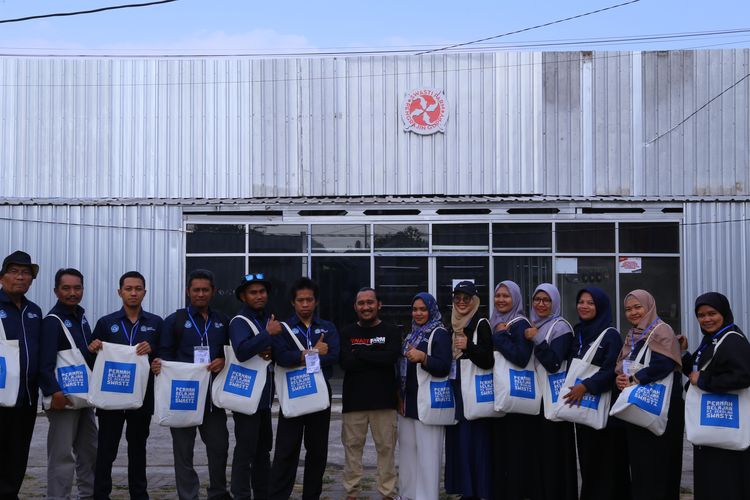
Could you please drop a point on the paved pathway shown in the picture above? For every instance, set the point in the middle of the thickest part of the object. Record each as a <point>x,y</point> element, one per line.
<point>161,473</point>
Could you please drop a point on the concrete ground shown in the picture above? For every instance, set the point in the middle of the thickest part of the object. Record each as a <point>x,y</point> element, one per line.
<point>161,473</point>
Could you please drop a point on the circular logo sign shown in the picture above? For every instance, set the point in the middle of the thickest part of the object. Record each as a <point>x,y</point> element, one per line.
<point>424,111</point>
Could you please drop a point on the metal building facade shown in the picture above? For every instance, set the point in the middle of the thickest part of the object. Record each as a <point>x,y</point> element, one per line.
<point>660,126</point>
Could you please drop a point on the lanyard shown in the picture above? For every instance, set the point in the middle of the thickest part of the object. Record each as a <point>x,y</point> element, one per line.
<point>307,336</point>
<point>633,341</point>
<point>83,331</point>
<point>133,331</point>
<point>203,336</point>
<point>700,350</point>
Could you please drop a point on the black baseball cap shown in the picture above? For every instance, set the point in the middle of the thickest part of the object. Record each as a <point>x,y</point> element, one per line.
<point>466,287</point>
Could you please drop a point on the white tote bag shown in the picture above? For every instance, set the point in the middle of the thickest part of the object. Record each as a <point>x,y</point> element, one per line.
<point>180,393</point>
<point>10,369</point>
<point>436,404</point>
<point>72,373</point>
<point>299,392</point>
<point>119,378</point>
<point>551,383</point>
<point>594,409</point>
<point>239,386</point>
<point>477,388</point>
<point>718,419</point>
<point>516,388</point>
<point>645,405</point>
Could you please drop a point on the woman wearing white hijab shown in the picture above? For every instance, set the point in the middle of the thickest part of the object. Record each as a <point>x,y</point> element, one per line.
<point>553,343</point>
<point>515,474</point>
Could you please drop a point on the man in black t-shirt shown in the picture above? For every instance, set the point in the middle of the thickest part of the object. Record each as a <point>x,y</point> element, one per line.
<point>369,351</point>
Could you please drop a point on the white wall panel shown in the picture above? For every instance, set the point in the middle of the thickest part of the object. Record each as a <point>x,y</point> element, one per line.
<point>103,243</point>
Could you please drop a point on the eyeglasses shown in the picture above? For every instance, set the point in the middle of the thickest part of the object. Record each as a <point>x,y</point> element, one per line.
<point>542,300</point>
<point>253,277</point>
<point>462,298</point>
<point>13,271</point>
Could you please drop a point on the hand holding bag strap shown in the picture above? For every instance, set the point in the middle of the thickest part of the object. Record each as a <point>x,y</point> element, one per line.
<point>294,337</point>
<point>589,356</point>
<point>65,330</point>
<point>716,347</point>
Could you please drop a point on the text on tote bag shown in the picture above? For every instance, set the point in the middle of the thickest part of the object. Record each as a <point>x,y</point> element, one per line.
<point>73,379</point>
<point>720,410</point>
<point>522,384</point>
<point>184,395</point>
<point>556,381</point>
<point>649,397</point>
<point>441,394</point>
<point>118,377</point>
<point>484,388</point>
<point>300,383</point>
<point>240,381</point>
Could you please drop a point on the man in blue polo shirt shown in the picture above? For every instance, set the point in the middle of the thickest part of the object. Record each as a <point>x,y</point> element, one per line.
<point>21,320</point>
<point>72,434</point>
<point>197,334</point>
<point>251,464</point>
<point>316,335</point>
<point>133,326</point>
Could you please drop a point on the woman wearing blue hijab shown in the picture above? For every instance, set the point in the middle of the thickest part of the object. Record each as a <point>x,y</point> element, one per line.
<point>602,454</point>
<point>421,445</point>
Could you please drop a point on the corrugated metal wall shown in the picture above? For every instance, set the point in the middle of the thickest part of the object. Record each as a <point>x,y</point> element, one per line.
<point>716,258</point>
<point>103,242</point>
<point>568,123</point>
<point>218,128</point>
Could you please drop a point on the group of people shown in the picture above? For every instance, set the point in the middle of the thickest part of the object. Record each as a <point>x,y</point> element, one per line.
<point>513,455</point>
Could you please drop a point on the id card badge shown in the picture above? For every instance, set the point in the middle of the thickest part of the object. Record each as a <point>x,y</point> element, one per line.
<point>403,365</point>
<point>201,355</point>
<point>452,374</point>
<point>312,361</point>
<point>626,363</point>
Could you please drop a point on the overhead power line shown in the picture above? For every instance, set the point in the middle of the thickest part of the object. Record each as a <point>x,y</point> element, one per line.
<point>515,32</point>
<point>81,12</point>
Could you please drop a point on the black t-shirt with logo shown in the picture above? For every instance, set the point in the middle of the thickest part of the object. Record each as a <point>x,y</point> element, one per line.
<point>369,356</point>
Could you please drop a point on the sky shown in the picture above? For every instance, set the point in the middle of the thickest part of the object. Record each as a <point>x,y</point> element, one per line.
<point>215,27</point>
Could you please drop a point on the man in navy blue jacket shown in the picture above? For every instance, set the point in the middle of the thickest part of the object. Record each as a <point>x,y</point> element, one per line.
<point>253,433</point>
<point>314,334</point>
<point>72,434</point>
<point>133,326</point>
<point>198,334</point>
<point>21,320</point>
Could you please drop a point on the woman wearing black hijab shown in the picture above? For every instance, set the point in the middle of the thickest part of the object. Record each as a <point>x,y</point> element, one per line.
<point>719,473</point>
<point>602,454</point>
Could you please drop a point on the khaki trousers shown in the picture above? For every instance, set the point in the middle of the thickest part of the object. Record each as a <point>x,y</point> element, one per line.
<point>382,425</point>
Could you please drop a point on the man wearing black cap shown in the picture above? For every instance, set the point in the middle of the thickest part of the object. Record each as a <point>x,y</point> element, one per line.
<point>251,463</point>
<point>197,334</point>
<point>20,320</point>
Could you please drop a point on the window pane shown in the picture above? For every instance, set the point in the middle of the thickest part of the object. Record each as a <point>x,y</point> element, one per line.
<point>592,271</point>
<point>215,238</point>
<point>281,272</point>
<point>401,238</point>
<point>588,237</point>
<point>461,268</point>
<point>339,238</point>
<point>460,237</point>
<point>515,237</point>
<point>527,272</point>
<point>398,280</point>
<point>278,239</point>
<point>228,271</point>
<point>660,276</point>
<point>339,279</point>
<point>650,237</point>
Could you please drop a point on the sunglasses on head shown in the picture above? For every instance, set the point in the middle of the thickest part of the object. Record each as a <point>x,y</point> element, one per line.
<point>256,276</point>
